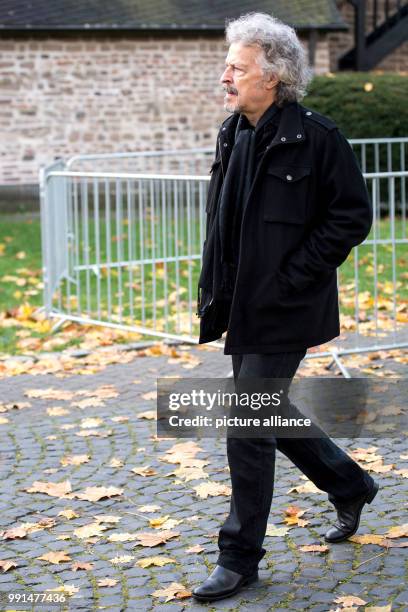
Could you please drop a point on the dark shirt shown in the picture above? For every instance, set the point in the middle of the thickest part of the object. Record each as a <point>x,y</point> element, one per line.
<point>263,133</point>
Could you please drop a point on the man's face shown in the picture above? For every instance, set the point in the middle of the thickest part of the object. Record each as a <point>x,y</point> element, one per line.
<point>247,91</point>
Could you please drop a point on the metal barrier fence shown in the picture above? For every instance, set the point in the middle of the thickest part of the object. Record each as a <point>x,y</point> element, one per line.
<point>122,248</point>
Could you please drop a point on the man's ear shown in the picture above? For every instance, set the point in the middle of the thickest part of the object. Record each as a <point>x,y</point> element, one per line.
<point>271,81</point>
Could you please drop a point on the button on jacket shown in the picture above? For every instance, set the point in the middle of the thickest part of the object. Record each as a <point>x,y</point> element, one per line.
<point>307,208</point>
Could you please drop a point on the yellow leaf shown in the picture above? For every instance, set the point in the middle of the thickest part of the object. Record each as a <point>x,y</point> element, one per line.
<point>195,549</point>
<point>349,600</point>
<point>144,471</point>
<point>91,422</point>
<point>106,582</point>
<point>6,564</point>
<point>212,489</point>
<point>160,561</point>
<point>148,414</point>
<point>107,518</point>
<point>149,508</point>
<point>273,531</point>
<point>122,537</point>
<point>69,589</point>
<point>154,539</point>
<point>308,487</point>
<point>173,591</point>
<point>68,513</point>
<point>320,548</point>
<point>89,530</point>
<point>57,411</point>
<point>150,395</point>
<point>123,559</point>
<point>81,566</point>
<point>55,557</point>
<point>400,531</point>
<point>54,489</point>
<point>74,459</point>
<point>96,493</point>
<point>368,538</point>
<point>156,522</point>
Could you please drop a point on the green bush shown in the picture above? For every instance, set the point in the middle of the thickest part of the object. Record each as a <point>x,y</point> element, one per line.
<point>381,112</point>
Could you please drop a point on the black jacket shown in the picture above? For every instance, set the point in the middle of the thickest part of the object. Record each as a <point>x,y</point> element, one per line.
<point>307,208</point>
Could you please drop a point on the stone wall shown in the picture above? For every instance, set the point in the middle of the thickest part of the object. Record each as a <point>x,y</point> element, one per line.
<point>64,96</point>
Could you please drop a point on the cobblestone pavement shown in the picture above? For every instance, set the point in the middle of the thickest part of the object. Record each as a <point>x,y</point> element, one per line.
<point>34,439</point>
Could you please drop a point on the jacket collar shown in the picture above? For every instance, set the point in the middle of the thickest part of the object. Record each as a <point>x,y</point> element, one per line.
<point>289,121</point>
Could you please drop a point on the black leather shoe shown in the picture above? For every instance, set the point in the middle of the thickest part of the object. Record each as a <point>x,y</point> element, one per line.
<point>348,514</point>
<point>221,583</point>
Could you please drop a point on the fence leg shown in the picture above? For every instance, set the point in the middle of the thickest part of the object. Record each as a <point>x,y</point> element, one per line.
<point>58,324</point>
<point>339,363</point>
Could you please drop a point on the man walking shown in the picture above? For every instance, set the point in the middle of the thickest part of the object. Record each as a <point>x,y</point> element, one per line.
<point>286,204</point>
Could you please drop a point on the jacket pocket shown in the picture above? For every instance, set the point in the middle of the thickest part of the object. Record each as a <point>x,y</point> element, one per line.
<point>285,194</point>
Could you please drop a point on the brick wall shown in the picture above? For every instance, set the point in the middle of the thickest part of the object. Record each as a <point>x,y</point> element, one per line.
<point>60,97</point>
<point>341,42</point>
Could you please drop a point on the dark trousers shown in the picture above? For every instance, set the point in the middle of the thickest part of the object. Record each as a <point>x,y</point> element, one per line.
<point>252,465</point>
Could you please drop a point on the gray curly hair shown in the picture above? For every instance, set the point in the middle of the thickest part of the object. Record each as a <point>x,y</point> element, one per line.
<point>283,53</point>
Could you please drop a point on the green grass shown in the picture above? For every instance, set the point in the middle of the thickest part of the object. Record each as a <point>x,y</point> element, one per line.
<point>19,236</point>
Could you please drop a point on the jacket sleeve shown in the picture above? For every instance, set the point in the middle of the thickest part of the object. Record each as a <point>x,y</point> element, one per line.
<point>346,220</point>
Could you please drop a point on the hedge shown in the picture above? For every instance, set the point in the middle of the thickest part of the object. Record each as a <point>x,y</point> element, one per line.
<point>362,104</point>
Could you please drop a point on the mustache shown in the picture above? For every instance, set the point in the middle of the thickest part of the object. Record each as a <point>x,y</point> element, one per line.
<point>230,90</point>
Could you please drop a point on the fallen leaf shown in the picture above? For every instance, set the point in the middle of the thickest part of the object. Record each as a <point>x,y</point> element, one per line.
<point>154,539</point>
<point>106,582</point>
<point>368,538</point>
<point>273,531</point>
<point>90,530</point>
<point>147,414</point>
<point>74,459</point>
<point>195,549</point>
<point>81,566</point>
<point>160,561</point>
<point>68,514</point>
<point>15,532</point>
<point>116,463</point>
<point>149,508</point>
<point>91,402</point>
<point>320,548</point>
<point>173,591</point>
<point>392,544</point>
<point>212,489</point>
<point>96,493</point>
<point>91,422</point>
<point>123,559</point>
<point>308,487</point>
<point>150,395</point>
<point>86,433</point>
<point>49,393</point>
<point>403,473</point>
<point>144,471</point>
<point>6,564</point>
<point>400,531</point>
<point>107,518</point>
<point>349,600</point>
<point>55,557</point>
<point>187,473</point>
<point>57,411</point>
<point>54,489</point>
<point>122,537</point>
<point>69,589</point>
